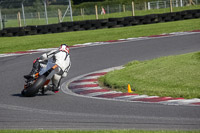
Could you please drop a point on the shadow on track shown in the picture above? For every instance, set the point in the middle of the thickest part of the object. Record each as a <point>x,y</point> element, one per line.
<point>20,95</point>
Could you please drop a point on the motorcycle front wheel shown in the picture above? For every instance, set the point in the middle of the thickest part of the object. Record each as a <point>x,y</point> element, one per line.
<point>33,90</point>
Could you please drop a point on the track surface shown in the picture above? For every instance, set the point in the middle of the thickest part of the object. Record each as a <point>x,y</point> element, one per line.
<point>62,111</point>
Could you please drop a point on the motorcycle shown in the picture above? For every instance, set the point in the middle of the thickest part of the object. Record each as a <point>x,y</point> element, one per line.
<point>41,80</point>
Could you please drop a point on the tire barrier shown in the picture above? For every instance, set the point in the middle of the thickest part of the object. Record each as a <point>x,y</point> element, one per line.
<point>100,24</point>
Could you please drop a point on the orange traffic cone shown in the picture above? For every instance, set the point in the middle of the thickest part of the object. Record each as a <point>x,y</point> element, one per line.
<point>129,89</point>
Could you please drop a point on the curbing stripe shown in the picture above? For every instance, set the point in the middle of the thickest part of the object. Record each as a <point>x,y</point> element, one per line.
<point>196,103</point>
<point>85,80</point>
<point>182,102</point>
<point>84,89</point>
<point>84,86</point>
<point>156,99</point>
<point>82,83</point>
<point>92,91</point>
<point>137,97</point>
<point>126,97</point>
<point>89,77</point>
<point>162,35</point>
<point>100,93</point>
<point>114,95</point>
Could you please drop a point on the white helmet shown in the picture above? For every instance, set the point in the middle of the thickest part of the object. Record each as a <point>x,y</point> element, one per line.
<point>64,48</point>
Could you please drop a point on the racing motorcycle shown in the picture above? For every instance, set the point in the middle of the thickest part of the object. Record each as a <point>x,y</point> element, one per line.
<point>41,80</point>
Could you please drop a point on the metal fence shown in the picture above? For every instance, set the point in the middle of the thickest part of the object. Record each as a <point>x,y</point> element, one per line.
<point>175,3</point>
<point>42,12</point>
<point>18,13</point>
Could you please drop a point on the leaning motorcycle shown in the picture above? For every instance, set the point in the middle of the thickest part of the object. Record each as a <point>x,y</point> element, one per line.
<point>41,80</point>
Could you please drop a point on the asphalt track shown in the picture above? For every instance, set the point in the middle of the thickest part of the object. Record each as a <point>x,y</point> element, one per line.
<point>63,111</point>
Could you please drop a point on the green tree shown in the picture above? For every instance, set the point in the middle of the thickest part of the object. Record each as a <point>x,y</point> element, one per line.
<point>37,5</point>
<point>76,2</point>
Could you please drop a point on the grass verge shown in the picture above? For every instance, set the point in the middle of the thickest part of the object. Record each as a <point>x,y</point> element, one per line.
<point>175,76</point>
<point>98,131</point>
<point>13,44</point>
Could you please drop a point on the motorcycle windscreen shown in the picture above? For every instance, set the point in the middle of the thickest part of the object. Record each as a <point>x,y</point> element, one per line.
<point>47,68</point>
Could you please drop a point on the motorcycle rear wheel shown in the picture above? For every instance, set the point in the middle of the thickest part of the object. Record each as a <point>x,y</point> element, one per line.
<point>34,89</point>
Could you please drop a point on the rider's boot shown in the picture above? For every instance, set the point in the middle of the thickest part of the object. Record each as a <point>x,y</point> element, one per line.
<point>35,69</point>
<point>56,82</point>
<point>31,75</point>
<point>53,88</point>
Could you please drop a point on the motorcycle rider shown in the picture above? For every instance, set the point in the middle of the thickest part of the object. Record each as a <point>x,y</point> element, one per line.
<point>60,57</point>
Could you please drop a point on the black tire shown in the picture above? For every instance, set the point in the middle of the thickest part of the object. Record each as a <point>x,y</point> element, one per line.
<point>33,90</point>
<point>178,16</point>
<point>87,26</point>
<point>129,19</point>
<point>126,23</point>
<point>9,34</point>
<point>111,24</point>
<point>33,32</point>
<point>3,33</point>
<point>197,15</point>
<point>103,22</point>
<point>11,30</point>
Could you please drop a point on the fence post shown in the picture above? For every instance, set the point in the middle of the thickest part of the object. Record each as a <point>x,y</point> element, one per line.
<point>23,14</point>
<point>19,19</point>
<point>45,8</point>
<point>81,11</point>
<point>176,3</point>
<point>133,9</point>
<point>165,4</point>
<point>70,8</point>
<point>149,6</point>
<point>120,10</point>
<point>157,4</point>
<point>108,9</point>
<point>59,15</point>
<point>145,6</point>
<point>1,21</point>
<point>96,10</point>
<point>181,1</point>
<point>38,14</point>
<point>171,9</point>
<point>124,8</point>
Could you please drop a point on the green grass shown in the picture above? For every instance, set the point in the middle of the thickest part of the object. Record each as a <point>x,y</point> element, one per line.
<point>52,20</point>
<point>13,44</point>
<point>175,76</point>
<point>98,131</point>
